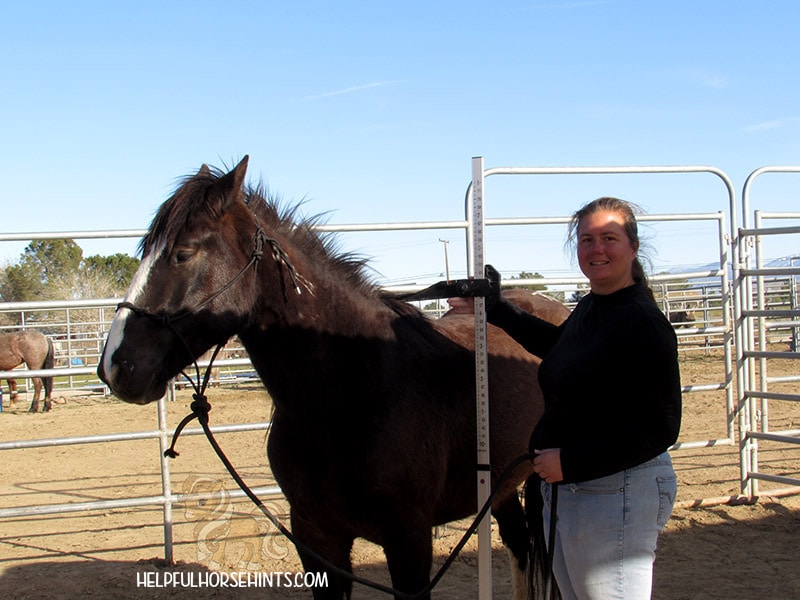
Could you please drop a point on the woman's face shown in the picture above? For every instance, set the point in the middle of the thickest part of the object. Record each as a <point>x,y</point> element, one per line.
<point>605,253</point>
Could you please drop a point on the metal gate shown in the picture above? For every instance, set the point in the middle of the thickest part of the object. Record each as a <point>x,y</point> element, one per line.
<point>763,327</point>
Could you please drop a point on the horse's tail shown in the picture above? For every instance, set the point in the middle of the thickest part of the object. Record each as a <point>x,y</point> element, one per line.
<point>541,584</point>
<point>49,361</point>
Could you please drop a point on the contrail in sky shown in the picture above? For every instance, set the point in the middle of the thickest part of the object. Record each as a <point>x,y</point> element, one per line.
<point>350,90</point>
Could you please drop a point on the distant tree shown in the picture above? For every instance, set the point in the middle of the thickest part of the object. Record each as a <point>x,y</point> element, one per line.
<point>118,269</point>
<point>20,283</point>
<point>6,319</point>
<point>42,264</point>
<point>437,307</point>
<point>534,287</point>
<point>55,269</point>
<point>57,260</point>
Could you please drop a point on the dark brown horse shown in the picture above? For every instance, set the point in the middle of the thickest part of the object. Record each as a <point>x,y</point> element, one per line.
<point>35,350</point>
<point>373,433</point>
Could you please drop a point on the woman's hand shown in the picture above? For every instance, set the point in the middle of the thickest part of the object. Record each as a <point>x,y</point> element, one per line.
<point>462,306</point>
<point>466,306</point>
<point>547,464</point>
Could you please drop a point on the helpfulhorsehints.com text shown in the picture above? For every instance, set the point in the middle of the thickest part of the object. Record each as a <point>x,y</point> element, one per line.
<point>244,579</point>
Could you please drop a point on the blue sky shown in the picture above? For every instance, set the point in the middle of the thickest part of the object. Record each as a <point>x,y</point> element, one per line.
<point>371,112</point>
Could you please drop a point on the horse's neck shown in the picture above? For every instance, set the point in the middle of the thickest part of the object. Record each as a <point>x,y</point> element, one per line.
<point>325,304</point>
<point>320,337</point>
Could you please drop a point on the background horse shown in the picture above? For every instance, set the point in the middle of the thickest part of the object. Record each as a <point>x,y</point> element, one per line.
<point>36,351</point>
<point>541,305</point>
<point>374,428</point>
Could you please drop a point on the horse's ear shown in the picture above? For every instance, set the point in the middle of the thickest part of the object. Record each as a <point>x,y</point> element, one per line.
<point>230,187</point>
<point>204,170</point>
<point>239,173</point>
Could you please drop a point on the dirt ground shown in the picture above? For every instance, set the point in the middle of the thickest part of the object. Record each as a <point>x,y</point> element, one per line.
<point>710,548</point>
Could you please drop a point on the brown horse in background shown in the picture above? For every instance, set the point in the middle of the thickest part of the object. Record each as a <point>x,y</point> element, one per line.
<point>374,427</point>
<point>541,305</point>
<point>35,350</point>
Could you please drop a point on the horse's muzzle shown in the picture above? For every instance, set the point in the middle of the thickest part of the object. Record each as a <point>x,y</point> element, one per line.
<point>122,380</point>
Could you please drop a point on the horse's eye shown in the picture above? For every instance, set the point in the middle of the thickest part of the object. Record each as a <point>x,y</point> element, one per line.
<point>183,255</point>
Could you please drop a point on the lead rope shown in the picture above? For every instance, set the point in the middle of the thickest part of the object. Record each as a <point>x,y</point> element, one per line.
<point>200,409</point>
<point>551,542</point>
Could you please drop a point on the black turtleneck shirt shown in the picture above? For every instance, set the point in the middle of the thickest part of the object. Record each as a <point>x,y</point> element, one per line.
<point>610,380</point>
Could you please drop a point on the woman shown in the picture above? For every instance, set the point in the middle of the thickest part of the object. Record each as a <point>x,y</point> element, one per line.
<point>613,407</point>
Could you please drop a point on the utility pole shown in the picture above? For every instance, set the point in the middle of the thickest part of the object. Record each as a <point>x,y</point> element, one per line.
<point>446,260</point>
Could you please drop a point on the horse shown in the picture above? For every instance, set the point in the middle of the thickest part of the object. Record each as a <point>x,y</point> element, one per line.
<point>374,426</point>
<point>35,350</point>
<point>683,318</point>
<point>541,305</point>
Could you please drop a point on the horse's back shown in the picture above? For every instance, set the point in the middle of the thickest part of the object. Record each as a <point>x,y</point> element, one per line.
<point>544,307</point>
<point>460,327</point>
<point>10,355</point>
<point>34,345</point>
<point>28,346</point>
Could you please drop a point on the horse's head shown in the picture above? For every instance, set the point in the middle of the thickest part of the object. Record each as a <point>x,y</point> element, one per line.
<point>192,289</point>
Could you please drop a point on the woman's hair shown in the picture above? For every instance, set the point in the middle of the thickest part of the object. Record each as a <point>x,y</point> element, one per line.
<point>628,210</point>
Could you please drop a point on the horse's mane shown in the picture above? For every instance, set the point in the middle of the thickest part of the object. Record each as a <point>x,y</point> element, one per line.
<point>321,248</point>
<point>278,218</point>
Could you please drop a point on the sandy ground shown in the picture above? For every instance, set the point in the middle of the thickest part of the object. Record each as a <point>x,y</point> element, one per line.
<point>710,551</point>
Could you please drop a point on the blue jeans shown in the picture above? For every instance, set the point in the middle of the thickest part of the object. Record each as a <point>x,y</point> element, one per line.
<point>607,529</point>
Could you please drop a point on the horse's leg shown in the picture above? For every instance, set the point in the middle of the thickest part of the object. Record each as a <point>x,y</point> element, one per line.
<point>12,389</point>
<point>409,555</point>
<point>37,391</point>
<point>333,547</point>
<point>49,362</point>
<point>515,535</point>
<point>48,390</point>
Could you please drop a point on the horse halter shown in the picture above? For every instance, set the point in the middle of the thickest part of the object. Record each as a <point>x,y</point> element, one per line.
<point>259,240</point>
<point>200,407</point>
